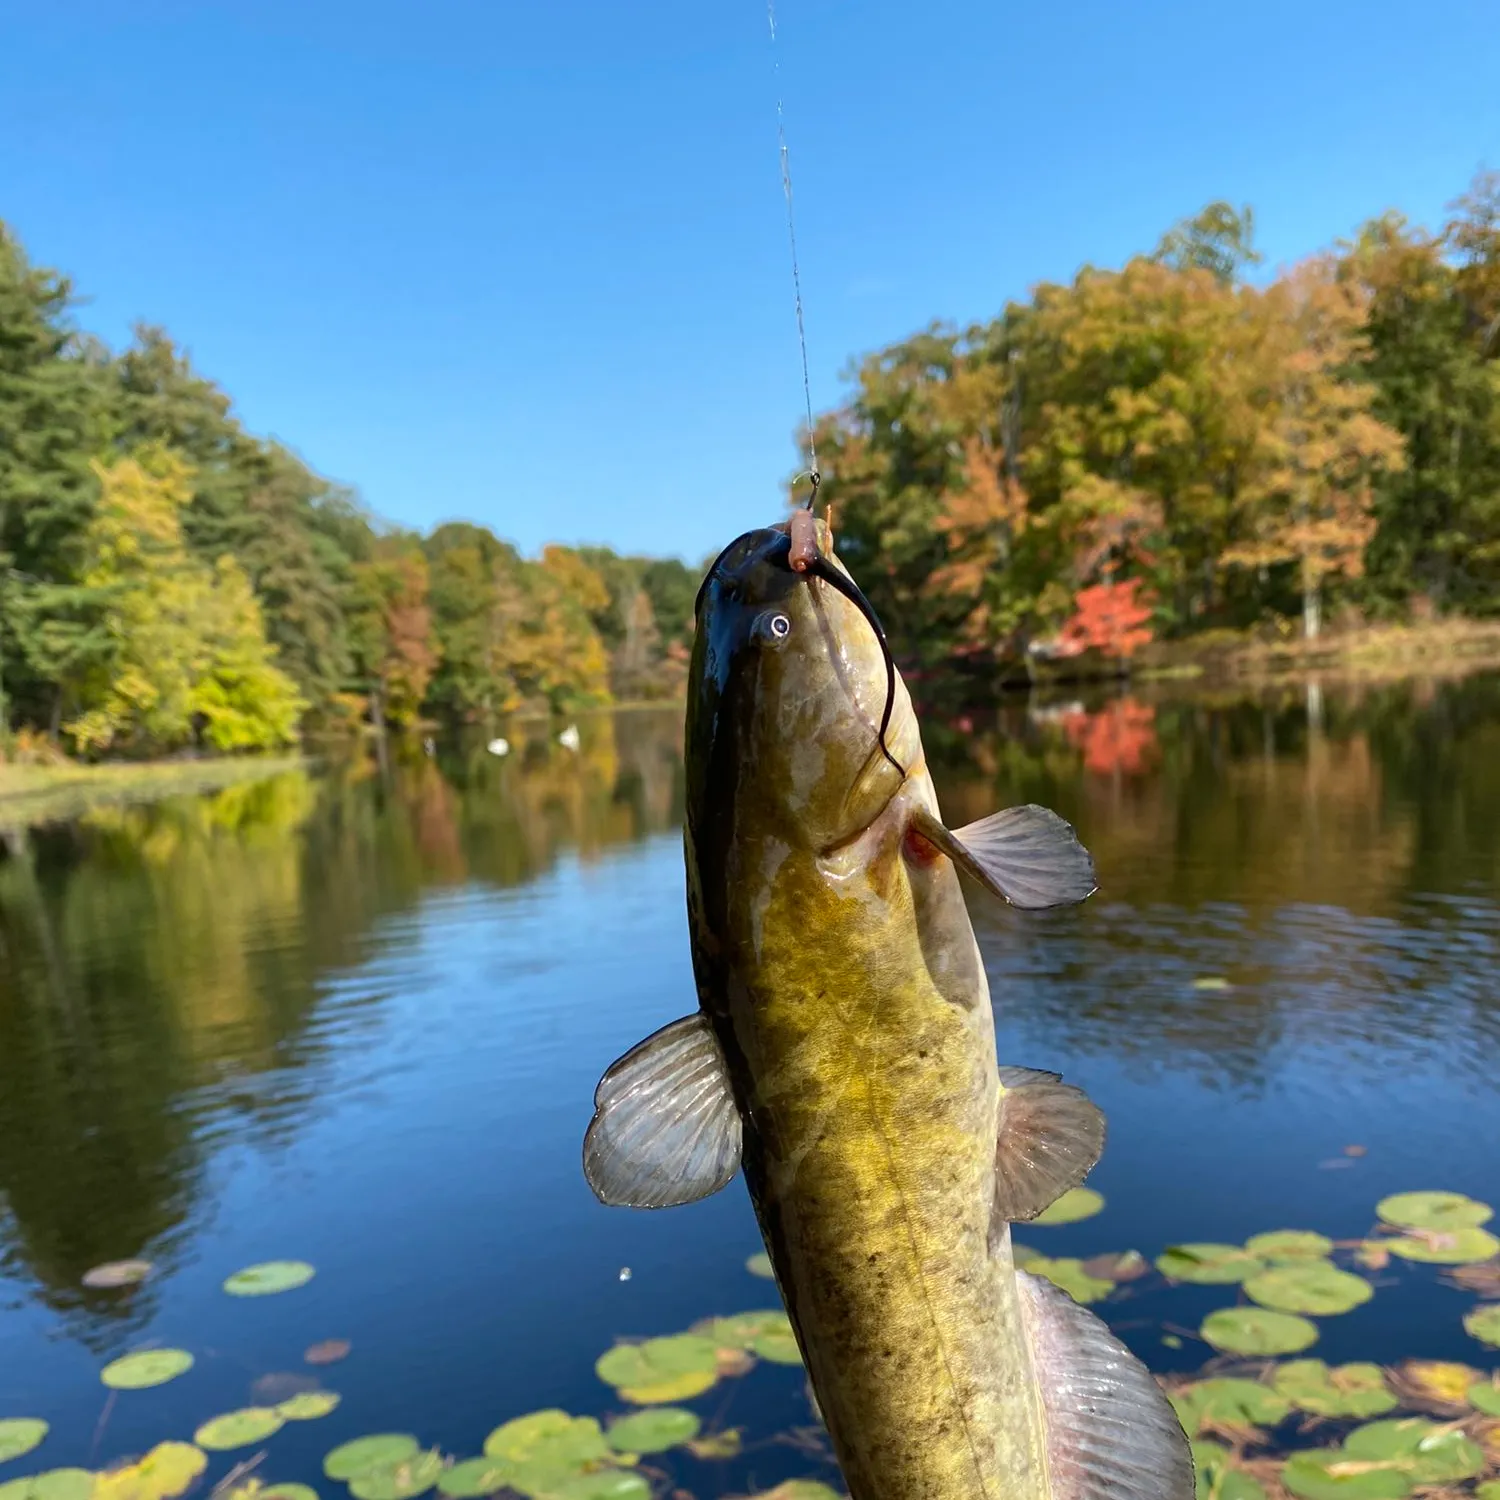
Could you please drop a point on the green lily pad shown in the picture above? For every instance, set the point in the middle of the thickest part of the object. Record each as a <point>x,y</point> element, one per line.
<point>1290,1244</point>
<point>20,1435</point>
<point>475,1477</point>
<point>168,1470</point>
<point>402,1480</point>
<point>1075,1204</point>
<point>726,1444</point>
<point>1218,1479</point>
<point>742,1329</point>
<point>1237,1404</point>
<point>1459,1246</point>
<point>653,1431</point>
<point>117,1273</point>
<point>604,1484</point>
<point>361,1455</point>
<point>1258,1330</point>
<point>760,1265</point>
<point>1329,1474</point>
<point>1208,1264</point>
<point>1489,1490</point>
<point>138,1372</point>
<point>1484,1395</point>
<point>55,1484</point>
<point>1309,1286</point>
<point>238,1429</point>
<point>1357,1390</point>
<point>308,1406</point>
<point>1433,1211</point>
<point>1429,1453</point>
<point>1069,1274</point>
<point>1211,982</point>
<point>548,1442</point>
<point>799,1489</point>
<point>269,1277</point>
<point>286,1492</point>
<point>1483,1323</point>
<point>661,1370</point>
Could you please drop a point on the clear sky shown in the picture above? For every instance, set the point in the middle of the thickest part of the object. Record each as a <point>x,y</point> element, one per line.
<point>527,264</point>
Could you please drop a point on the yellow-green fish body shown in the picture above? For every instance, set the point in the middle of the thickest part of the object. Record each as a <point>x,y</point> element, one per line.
<point>844,1055</point>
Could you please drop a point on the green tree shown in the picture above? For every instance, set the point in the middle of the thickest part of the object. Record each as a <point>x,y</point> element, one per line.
<point>395,650</point>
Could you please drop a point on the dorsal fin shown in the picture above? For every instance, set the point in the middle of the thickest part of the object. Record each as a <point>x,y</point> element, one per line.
<point>1111,1432</point>
<point>1050,1134</point>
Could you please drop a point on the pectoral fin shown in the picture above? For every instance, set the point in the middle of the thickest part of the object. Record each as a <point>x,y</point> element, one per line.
<point>665,1129</point>
<point>1111,1433</point>
<point>1027,855</point>
<point>1050,1134</point>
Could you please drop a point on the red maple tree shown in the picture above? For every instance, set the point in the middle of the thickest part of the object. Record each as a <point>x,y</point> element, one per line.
<point>1112,617</point>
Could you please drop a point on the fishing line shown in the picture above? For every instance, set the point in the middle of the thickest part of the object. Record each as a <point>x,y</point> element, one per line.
<point>791,231</point>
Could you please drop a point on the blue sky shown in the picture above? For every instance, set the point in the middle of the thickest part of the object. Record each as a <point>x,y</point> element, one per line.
<point>527,264</point>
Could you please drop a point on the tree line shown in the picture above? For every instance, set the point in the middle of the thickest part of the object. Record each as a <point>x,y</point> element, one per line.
<point>1174,447</point>
<point>1163,449</point>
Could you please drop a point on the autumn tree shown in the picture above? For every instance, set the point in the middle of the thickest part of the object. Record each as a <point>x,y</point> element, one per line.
<point>1310,502</point>
<point>394,648</point>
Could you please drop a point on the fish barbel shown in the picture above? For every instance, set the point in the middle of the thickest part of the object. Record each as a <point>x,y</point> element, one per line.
<point>843,1054</point>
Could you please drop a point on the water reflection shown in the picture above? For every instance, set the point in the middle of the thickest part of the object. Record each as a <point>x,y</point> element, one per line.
<point>184,979</point>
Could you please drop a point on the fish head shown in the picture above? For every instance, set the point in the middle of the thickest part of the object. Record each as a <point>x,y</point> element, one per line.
<point>789,686</point>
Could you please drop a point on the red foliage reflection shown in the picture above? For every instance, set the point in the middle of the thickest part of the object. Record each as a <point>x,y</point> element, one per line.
<point>1121,737</point>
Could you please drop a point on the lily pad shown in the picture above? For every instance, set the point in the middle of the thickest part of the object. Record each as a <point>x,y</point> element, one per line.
<point>605,1484</point>
<point>1258,1330</point>
<point>1329,1474</point>
<point>138,1372</point>
<point>269,1277</point>
<point>239,1429</point>
<point>547,1442</point>
<point>1357,1390</point>
<point>168,1470</point>
<point>308,1406</point>
<point>726,1444</point>
<point>475,1477</point>
<point>1070,1275</point>
<point>742,1330</point>
<point>661,1370</point>
<point>1460,1246</point>
<point>1208,1264</point>
<point>1074,1205</point>
<point>1433,1211</point>
<point>1430,1454</point>
<point>760,1265</point>
<point>286,1492</point>
<point>402,1480</point>
<point>1217,1477</point>
<point>1289,1245</point>
<point>20,1435</point>
<point>799,1489</point>
<point>361,1455</point>
<point>1237,1405</point>
<point>1489,1490</point>
<point>1483,1323</point>
<point>1435,1384</point>
<point>1484,1395</point>
<point>328,1352</point>
<point>1127,1265</point>
<point>653,1431</point>
<point>1309,1286</point>
<point>117,1273</point>
<point>55,1484</point>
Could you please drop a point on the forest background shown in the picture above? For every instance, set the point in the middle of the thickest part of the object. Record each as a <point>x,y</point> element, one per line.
<point>1168,451</point>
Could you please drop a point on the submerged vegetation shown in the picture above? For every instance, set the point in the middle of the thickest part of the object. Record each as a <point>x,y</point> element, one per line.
<point>1160,451</point>
<point>1263,1426</point>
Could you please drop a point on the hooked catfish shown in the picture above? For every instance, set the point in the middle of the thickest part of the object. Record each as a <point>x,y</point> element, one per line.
<point>844,1054</point>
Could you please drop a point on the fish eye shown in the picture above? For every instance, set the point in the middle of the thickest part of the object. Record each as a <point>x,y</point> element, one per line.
<point>781,627</point>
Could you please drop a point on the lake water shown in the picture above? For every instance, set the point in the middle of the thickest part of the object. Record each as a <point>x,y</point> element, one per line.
<point>357,1017</point>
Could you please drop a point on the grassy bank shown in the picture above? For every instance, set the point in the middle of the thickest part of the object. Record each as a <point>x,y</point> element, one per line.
<point>32,794</point>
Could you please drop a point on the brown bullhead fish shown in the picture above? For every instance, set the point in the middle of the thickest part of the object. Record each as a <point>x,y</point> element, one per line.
<point>843,1054</point>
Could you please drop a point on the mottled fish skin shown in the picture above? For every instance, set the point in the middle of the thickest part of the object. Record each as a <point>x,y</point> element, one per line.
<point>844,1054</point>
<point>846,989</point>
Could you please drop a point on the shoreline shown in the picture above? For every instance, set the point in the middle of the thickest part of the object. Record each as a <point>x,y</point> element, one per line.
<point>31,795</point>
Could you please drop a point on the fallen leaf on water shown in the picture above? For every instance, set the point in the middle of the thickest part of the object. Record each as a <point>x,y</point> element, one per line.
<point>328,1352</point>
<point>118,1273</point>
